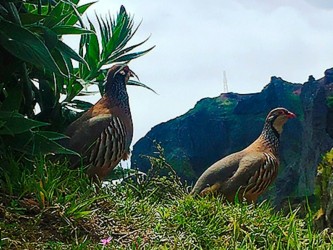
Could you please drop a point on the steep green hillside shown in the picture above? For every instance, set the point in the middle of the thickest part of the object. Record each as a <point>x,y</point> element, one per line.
<point>216,127</point>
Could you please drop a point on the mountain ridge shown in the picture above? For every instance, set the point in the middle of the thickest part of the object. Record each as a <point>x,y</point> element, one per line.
<point>218,126</point>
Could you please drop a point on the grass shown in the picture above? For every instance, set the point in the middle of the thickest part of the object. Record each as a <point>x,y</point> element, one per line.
<point>51,207</point>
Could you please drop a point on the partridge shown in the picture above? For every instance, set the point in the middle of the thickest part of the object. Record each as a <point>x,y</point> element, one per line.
<point>249,172</point>
<point>103,134</point>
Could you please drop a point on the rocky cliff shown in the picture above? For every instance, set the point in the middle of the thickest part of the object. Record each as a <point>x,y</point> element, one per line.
<point>216,127</point>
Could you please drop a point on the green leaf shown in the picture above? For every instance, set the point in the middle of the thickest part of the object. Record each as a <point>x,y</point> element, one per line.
<point>29,18</point>
<point>70,30</point>
<point>73,89</point>
<point>83,68</point>
<point>78,104</point>
<point>62,64</point>
<point>69,64</point>
<point>119,53</point>
<point>14,13</point>
<point>3,11</point>
<point>93,52</point>
<point>76,12</point>
<point>131,56</point>
<point>51,39</point>
<point>36,143</point>
<point>26,46</point>
<point>13,99</point>
<point>139,84</point>
<point>16,123</point>
<point>66,50</point>
<point>81,9</point>
<point>56,15</point>
<point>52,135</point>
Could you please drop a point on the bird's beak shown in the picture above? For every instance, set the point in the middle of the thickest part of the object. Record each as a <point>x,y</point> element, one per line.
<point>291,115</point>
<point>132,74</point>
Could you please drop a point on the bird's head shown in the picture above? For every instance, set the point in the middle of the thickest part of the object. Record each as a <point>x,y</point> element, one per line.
<point>120,74</point>
<point>278,117</point>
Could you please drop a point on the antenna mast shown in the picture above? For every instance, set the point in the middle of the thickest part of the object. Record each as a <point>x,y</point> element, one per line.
<point>225,82</point>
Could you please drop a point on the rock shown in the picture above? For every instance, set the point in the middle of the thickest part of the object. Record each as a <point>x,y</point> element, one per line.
<point>329,76</point>
<point>311,78</point>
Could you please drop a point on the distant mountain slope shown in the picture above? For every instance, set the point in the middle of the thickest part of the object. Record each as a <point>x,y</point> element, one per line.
<point>216,127</point>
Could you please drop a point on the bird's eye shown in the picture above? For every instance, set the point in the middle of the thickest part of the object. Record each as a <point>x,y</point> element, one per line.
<point>122,72</point>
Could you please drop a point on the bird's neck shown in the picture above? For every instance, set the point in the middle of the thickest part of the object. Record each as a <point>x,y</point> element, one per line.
<point>271,138</point>
<point>118,96</point>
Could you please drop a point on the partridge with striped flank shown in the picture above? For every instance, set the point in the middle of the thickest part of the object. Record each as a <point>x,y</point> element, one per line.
<point>103,134</point>
<point>249,172</point>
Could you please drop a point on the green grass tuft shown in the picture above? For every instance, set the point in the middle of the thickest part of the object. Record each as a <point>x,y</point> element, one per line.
<point>51,207</point>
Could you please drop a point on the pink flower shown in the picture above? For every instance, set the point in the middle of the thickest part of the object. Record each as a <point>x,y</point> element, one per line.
<point>105,242</point>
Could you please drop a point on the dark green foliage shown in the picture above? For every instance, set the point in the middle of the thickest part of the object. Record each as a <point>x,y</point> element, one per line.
<point>330,102</point>
<point>38,81</point>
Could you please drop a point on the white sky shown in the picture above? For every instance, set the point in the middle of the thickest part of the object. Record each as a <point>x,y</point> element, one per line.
<point>196,41</point>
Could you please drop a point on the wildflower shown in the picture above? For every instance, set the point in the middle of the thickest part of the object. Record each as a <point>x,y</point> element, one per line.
<point>105,242</point>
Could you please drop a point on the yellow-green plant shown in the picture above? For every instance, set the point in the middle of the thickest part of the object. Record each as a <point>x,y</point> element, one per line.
<point>324,188</point>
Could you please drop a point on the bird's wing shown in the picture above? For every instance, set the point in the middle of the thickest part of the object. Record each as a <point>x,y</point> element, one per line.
<point>98,137</point>
<point>256,169</point>
<point>109,148</point>
<point>218,173</point>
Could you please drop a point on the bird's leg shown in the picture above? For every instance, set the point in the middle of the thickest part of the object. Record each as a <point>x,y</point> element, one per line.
<point>211,189</point>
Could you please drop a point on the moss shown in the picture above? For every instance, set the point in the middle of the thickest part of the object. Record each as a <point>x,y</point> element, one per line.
<point>323,190</point>
<point>330,102</point>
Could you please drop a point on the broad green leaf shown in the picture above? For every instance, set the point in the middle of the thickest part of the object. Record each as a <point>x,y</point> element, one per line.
<point>16,123</point>
<point>73,89</point>
<point>40,11</point>
<point>76,12</point>
<point>65,49</point>
<point>14,13</point>
<point>36,143</point>
<point>59,20</point>
<point>47,95</point>
<point>51,39</point>
<point>52,135</point>
<point>29,18</point>
<point>69,64</point>
<point>56,15</point>
<point>3,11</point>
<point>70,30</point>
<point>30,7</point>
<point>73,19</point>
<point>26,46</point>
<point>93,52</point>
<point>61,62</point>
<point>75,1</point>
